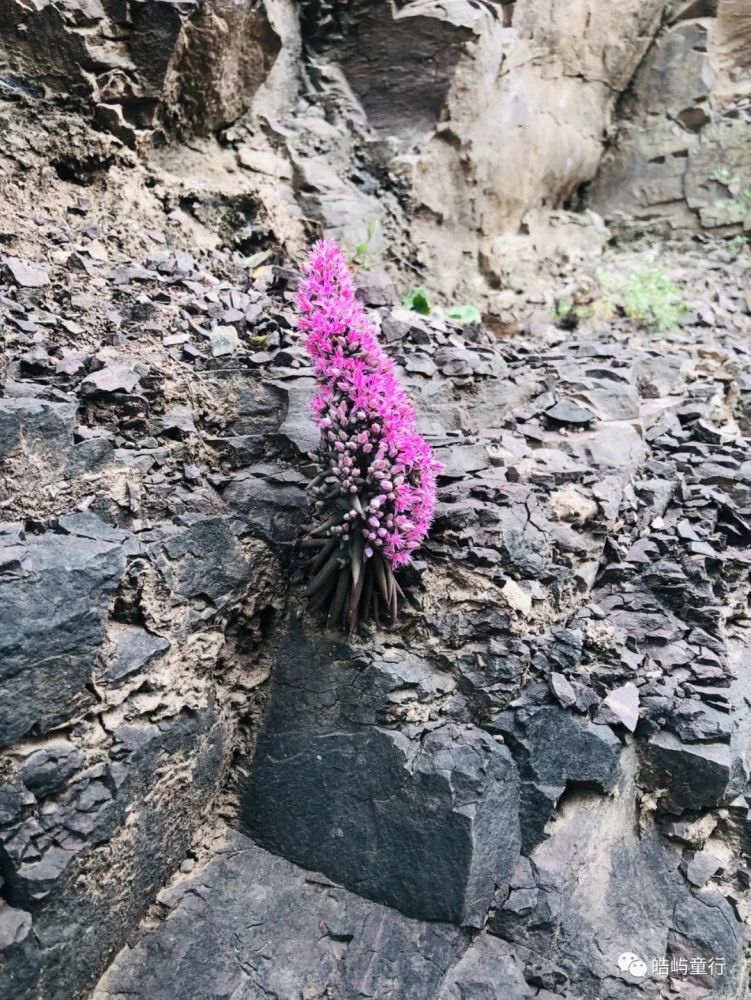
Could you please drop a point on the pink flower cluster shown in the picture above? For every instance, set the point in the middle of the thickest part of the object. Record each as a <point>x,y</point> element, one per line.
<point>370,451</point>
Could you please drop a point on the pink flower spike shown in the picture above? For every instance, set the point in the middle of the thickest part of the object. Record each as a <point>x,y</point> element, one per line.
<point>362,410</point>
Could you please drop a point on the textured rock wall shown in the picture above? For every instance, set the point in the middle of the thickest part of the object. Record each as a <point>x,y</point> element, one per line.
<point>470,115</point>
<point>569,682</point>
<point>453,125</point>
<point>133,602</point>
<point>466,129</point>
<point>186,66</point>
<point>564,713</point>
<point>125,667</point>
<point>685,117</point>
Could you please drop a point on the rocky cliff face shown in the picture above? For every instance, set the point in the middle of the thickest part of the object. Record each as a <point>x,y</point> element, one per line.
<point>683,123</point>
<point>537,781</point>
<point>458,127</point>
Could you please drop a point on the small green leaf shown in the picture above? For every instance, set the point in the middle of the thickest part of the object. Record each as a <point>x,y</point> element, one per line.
<point>464,314</point>
<point>418,301</point>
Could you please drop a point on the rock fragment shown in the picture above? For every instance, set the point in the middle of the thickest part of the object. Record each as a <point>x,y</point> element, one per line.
<point>702,867</point>
<point>24,274</point>
<point>622,706</point>
<point>562,689</point>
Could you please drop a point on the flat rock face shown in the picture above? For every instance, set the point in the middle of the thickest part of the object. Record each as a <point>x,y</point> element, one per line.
<point>598,889</point>
<point>52,614</point>
<point>36,434</point>
<point>251,924</point>
<point>424,819</point>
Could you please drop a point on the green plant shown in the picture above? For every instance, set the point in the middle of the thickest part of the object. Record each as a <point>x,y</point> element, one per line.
<point>738,205</point>
<point>567,315</point>
<point>363,254</point>
<point>602,310</point>
<point>564,308</point>
<point>651,299</point>
<point>464,314</point>
<point>738,243</point>
<point>647,297</point>
<point>418,301</point>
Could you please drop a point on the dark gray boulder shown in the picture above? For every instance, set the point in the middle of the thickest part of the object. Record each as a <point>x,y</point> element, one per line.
<point>421,817</point>
<point>52,619</point>
<point>36,436</point>
<point>694,775</point>
<point>273,501</point>
<point>46,427</point>
<point>202,559</point>
<point>251,924</point>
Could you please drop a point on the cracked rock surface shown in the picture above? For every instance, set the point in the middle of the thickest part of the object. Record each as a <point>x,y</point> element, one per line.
<point>545,766</point>
<point>338,785</point>
<point>225,922</point>
<point>560,720</point>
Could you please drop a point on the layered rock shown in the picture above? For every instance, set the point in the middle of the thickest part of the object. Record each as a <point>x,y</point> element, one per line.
<point>424,818</point>
<point>117,688</point>
<point>604,885</point>
<point>185,66</point>
<point>560,719</point>
<point>683,133</point>
<point>377,117</point>
<point>133,602</point>
<point>468,130</point>
<point>567,626</point>
<point>56,603</point>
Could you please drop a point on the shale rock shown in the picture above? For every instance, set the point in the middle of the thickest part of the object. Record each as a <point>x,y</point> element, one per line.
<point>591,538</point>
<point>695,775</point>
<point>422,818</point>
<point>79,837</point>
<point>636,903</point>
<point>308,930</point>
<point>53,614</point>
